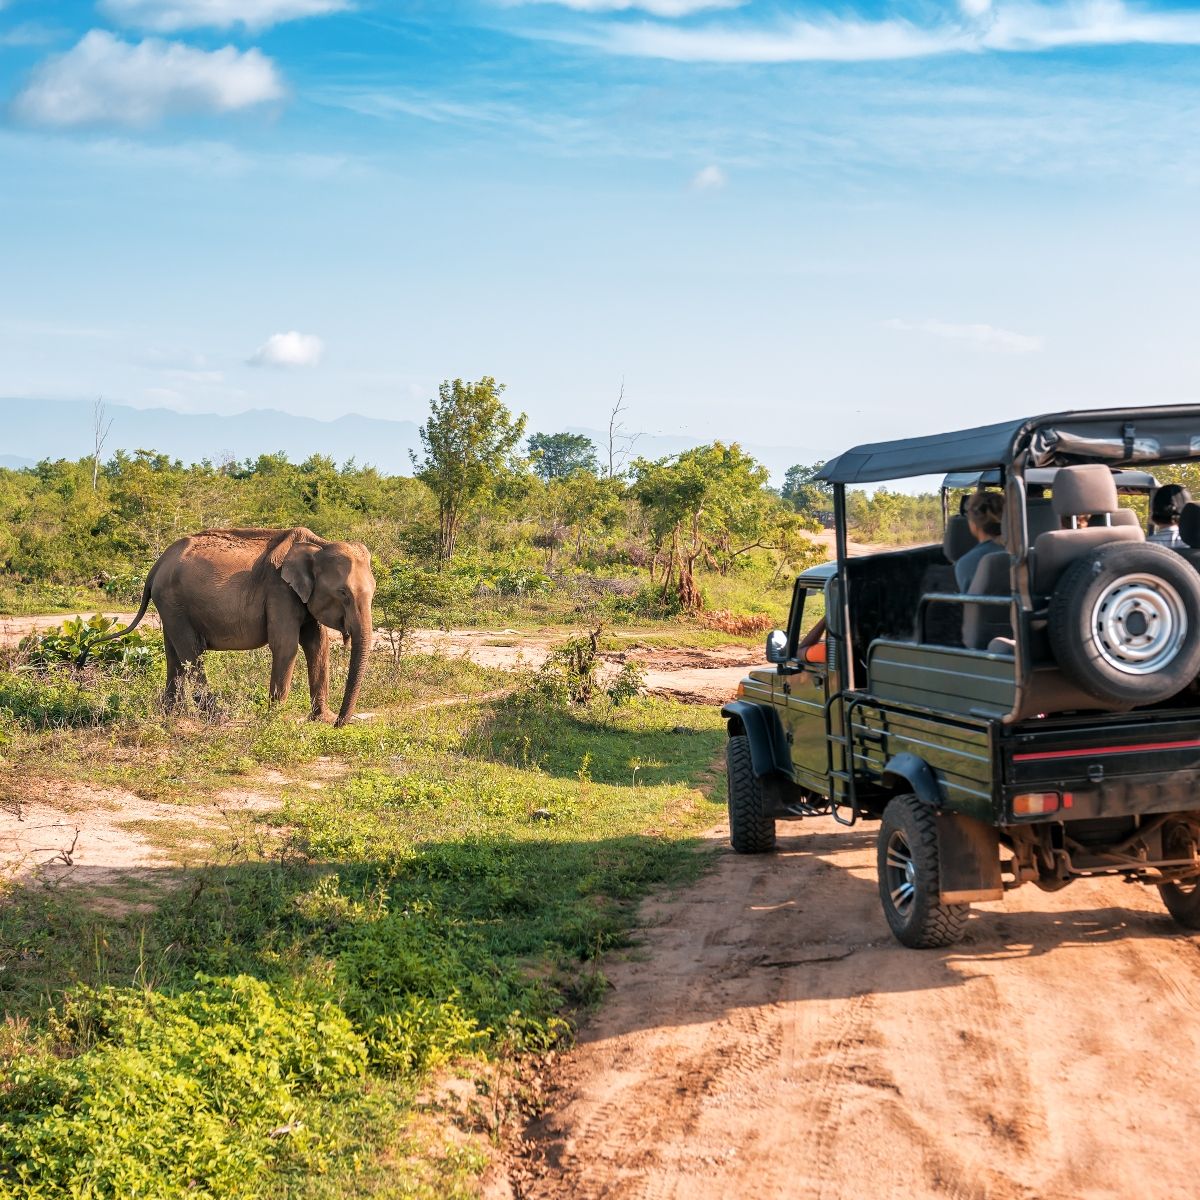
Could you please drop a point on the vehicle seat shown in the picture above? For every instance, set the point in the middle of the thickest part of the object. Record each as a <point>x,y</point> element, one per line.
<point>1083,491</point>
<point>1039,518</point>
<point>1189,531</point>
<point>1126,516</point>
<point>983,623</point>
<point>958,538</point>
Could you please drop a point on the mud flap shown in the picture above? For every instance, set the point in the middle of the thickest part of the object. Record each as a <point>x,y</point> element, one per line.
<point>968,859</point>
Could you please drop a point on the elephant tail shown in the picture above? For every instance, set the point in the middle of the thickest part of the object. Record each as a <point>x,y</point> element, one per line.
<point>141,612</point>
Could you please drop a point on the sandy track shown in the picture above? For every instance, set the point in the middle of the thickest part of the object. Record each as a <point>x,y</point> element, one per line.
<point>769,1039</point>
<point>699,676</point>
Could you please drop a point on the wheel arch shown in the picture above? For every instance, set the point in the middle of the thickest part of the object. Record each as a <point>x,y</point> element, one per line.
<point>762,729</point>
<point>906,772</point>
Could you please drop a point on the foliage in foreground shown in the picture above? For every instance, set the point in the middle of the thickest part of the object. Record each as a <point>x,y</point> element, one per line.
<point>263,1032</point>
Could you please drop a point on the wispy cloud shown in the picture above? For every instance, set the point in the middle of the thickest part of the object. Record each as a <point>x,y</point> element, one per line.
<point>709,179</point>
<point>978,336</point>
<point>984,27</point>
<point>656,8</point>
<point>105,81</point>
<point>290,349</point>
<point>29,33</point>
<point>171,16</point>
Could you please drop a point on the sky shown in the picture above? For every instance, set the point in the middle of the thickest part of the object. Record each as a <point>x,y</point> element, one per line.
<point>773,221</point>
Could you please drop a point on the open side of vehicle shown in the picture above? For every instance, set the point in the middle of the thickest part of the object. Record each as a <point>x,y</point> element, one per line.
<point>1040,725</point>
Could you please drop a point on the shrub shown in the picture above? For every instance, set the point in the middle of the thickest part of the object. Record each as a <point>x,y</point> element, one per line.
<point>229,1061</point>
<point>66,645</point>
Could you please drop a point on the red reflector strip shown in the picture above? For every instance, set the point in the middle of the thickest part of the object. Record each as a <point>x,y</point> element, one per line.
<point>1047,755</point>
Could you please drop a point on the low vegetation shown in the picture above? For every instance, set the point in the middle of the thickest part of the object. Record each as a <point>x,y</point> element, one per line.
<point>433,895</point>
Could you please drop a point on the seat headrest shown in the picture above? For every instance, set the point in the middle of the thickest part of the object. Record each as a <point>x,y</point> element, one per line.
<point>1081,491</point>
<point>1126,516</point>
<point>1189,524</point>
<point>958,538</point>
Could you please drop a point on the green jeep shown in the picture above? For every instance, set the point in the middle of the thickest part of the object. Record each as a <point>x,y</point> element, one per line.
<point>1039,724</point>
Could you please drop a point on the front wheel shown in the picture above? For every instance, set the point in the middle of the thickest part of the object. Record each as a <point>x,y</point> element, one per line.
<point>1183,902</point>
<point>751,831</point>
<point>909,878</point>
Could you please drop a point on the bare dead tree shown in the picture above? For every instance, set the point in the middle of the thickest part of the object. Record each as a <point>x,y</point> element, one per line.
<point>101,424</point>
<point>620,443</point>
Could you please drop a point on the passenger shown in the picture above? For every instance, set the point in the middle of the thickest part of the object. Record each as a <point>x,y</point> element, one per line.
<point>812,647</point>
<point>1165,510</point>
<point>984,510</point>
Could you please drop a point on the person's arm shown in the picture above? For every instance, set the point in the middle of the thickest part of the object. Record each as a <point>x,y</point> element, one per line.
<point>811,638</point>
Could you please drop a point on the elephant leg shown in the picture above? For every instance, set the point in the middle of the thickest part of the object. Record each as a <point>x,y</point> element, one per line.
<point>185,648</point>
<point>283,662</point>
<point>173,694</point>
<point>315,643</point>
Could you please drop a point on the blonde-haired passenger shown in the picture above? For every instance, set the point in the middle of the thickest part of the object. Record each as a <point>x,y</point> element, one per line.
<point>983,512</point>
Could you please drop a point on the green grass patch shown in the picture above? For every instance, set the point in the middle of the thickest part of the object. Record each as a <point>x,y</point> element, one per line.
<point>265,1029</point>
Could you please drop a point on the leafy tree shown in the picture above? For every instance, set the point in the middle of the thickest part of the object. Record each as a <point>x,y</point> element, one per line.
<point>469,441</point>
<point>557,455</point>
<point>804,491</point>
<point>710,504</point>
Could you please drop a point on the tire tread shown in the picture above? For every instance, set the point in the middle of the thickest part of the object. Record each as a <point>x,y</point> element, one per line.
<point>939,924</point>
<point>751,831</point>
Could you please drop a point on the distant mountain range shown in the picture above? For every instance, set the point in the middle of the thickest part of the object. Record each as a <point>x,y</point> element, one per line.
<point>38,429</point>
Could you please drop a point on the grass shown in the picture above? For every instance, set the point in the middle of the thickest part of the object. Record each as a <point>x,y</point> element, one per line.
<point>262,1024</point>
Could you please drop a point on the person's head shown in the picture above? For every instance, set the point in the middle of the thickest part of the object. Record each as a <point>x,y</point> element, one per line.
<point>1168,503</point>
<point>984,510</point>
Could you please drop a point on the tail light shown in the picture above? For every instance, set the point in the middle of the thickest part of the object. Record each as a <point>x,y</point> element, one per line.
<point>1037,804</point>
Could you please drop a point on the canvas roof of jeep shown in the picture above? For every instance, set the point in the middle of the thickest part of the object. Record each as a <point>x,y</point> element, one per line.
<point>1116,436</point>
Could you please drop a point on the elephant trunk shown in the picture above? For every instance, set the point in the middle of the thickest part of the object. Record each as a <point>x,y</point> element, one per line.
<point>360,649</point>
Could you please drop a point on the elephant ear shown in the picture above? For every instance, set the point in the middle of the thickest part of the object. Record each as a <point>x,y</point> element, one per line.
<point>297,569</point>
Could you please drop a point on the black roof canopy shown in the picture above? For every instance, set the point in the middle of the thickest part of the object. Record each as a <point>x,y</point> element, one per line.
<point>1119,436</point>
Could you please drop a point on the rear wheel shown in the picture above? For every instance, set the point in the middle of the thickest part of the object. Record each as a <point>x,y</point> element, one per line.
<point>751,831</point>
<point>909,878</point>
<point>1183,902</point>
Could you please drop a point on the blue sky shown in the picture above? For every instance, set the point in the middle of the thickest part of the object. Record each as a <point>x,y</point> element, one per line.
<point>776,221</point>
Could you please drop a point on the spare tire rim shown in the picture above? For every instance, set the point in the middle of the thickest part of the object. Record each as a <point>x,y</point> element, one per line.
<point>901,873</point>
<point>1140,623</point>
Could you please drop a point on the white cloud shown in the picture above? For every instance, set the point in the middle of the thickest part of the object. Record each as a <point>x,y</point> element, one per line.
<point>709,178</point>
<point>105,81</point>
<point>170,16</point>
<point>656,8</point>
<point>981,337</point>
<point>290,349</point>
<point>1008,27</point>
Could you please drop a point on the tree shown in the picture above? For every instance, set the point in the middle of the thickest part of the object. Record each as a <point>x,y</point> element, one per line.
<point>804,491</point>
<point>709,504</point>
<point>620,443</point>
<point>469,441</point>
<point>101,426</point>
<point>557,455</point>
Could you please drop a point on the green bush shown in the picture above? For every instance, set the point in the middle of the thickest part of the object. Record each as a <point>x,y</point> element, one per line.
<point>67,645</point>
<point>191,1094</point>
<point>45,703</point>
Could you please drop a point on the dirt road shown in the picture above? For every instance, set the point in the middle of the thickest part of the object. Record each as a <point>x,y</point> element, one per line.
<point>769,1039</point>
<point>700,676</point>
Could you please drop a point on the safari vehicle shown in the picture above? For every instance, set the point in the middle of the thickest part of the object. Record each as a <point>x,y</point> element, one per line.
<point>1042,726</point>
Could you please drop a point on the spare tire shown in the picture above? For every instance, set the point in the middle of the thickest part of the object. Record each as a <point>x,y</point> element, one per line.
<point>1125,623</point>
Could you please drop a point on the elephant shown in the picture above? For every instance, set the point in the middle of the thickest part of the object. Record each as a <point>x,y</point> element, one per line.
<point>239,589</point>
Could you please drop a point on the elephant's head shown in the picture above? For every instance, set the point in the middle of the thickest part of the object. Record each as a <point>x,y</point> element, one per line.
<point>335,581</point>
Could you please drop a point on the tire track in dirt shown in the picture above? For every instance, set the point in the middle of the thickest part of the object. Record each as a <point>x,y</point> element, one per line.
<point>771,1039</point>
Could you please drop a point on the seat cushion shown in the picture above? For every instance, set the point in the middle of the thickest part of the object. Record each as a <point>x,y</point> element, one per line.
<point>984,622</point>
<point>1056,550</point>
<point>958,538</point>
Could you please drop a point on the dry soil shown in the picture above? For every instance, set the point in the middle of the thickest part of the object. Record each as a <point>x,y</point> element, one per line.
<point>770,1039</point>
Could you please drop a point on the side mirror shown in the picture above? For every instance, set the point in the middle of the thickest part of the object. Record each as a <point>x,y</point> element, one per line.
<point>777,646</point>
